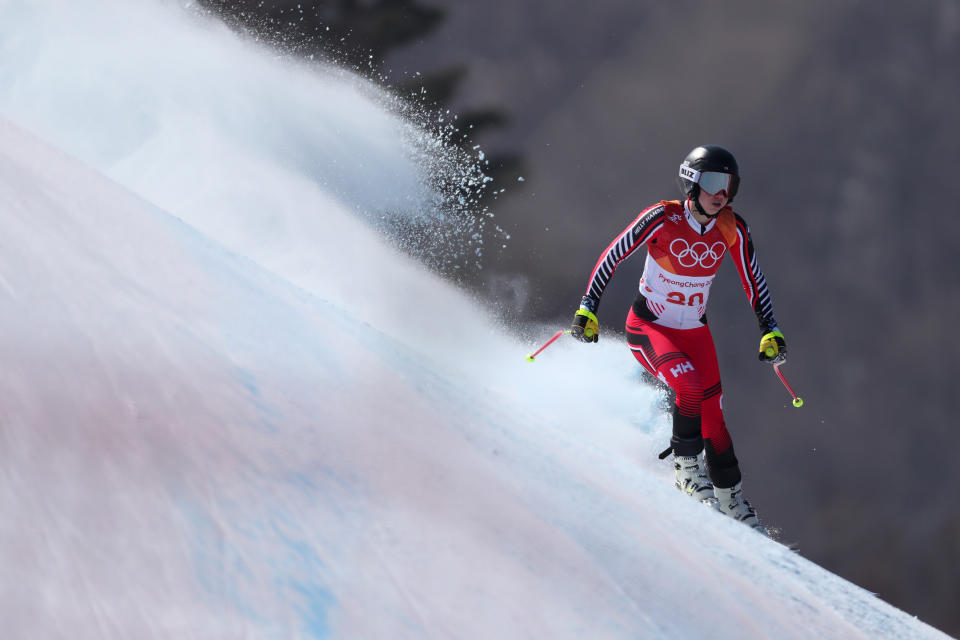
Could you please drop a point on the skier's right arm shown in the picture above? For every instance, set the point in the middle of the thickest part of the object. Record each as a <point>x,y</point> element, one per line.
<point>585,324</point>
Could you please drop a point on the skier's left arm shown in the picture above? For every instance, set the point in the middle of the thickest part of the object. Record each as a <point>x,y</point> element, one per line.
<point>773,347</point>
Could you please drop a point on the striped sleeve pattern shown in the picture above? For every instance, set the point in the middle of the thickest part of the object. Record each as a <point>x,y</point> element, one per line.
<point>633,237</point>
<point>754,282</point>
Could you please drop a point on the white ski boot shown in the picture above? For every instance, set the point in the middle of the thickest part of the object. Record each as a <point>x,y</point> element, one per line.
<point>730,502</point>
<point>691,473</point>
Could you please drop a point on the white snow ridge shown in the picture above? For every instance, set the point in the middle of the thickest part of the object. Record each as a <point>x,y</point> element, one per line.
<point>229,410</point>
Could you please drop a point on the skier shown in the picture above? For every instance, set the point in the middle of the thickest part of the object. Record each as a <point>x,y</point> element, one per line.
<point>666,327</point>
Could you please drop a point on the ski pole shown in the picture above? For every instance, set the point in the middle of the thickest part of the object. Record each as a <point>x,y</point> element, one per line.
<point>532,356</point>
<point>797,400</point>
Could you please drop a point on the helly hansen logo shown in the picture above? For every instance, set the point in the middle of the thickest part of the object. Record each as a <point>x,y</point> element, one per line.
<point>681,369</point>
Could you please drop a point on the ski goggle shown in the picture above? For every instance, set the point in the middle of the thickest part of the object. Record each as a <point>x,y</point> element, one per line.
<point>713,182</point>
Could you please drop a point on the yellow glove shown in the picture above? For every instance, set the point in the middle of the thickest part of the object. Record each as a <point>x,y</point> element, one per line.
<point>586,327</point>
<point>773,348</point>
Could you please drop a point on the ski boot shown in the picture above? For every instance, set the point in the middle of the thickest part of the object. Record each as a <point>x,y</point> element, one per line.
<point>691,474</point>
<point>730,502</point>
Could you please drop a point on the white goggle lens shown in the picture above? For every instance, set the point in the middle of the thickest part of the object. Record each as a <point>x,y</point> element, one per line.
<point>714,182</point>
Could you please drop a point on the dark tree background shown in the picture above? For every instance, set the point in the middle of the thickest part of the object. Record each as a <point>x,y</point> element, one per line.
<point>844,118</point>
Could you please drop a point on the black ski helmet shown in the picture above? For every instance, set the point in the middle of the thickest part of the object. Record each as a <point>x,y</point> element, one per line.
<point>708,157</point>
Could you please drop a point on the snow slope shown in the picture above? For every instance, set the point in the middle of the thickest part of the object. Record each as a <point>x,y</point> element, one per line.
<point>229,410</point>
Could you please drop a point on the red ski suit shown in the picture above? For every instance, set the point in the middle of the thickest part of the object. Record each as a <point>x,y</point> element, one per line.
<point>666,326</point>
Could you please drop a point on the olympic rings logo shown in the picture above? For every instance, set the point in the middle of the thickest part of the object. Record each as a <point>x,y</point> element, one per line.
<point>699,253</point>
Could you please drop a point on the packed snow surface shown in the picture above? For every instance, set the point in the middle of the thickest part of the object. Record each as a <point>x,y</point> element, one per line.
<point>230,409</point>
